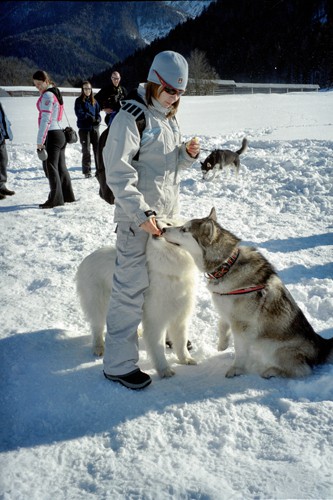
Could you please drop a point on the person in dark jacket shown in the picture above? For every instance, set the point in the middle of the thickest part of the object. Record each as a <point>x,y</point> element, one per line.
<point>109,97</point>
<point>88,115</point>
<point>5,133</point>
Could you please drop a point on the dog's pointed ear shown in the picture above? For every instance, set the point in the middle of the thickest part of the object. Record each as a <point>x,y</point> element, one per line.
<point>208,232</point>
<point>212,214</point>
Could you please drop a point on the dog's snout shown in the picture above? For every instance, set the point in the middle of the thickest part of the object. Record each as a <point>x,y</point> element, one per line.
<point>163,230</point>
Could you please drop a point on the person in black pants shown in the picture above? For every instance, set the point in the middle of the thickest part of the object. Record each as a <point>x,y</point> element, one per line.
<point>88,115</point>
<point>59,180</point>
<point>52,138</point>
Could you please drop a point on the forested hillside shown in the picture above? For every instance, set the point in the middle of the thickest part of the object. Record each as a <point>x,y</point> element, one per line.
<point>73,40</point>
<point>259,41</point>
<point>276,41</point>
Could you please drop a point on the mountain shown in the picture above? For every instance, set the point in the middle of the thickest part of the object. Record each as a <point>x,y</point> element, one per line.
<point>73,40</point>
<point>264,41</point>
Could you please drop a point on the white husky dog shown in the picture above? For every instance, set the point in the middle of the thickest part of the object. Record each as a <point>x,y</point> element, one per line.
<point>168,304</point>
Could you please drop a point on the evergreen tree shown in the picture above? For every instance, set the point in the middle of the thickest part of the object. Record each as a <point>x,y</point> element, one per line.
<point>201,74</point>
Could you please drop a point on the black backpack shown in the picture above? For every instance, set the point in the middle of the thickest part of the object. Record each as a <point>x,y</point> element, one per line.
<point>104,190</point>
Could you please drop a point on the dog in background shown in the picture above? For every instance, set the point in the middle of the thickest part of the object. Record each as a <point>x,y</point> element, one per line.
<point>168,304</point>
<point>272,336</point>
<point>221,158</point>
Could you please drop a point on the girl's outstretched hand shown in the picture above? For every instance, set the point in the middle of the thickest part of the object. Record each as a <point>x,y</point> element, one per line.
<point>193,147</point>
<point>150,227</point>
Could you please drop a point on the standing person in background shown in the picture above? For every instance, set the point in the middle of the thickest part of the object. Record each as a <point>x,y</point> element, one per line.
<point>145,188</point>
<point>5,133</point>
<point>109,97</point>
<point>88,115</point>
<point>52,138</point>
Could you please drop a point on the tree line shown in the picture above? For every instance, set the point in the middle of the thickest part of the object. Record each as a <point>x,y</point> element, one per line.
<point>263,41</point>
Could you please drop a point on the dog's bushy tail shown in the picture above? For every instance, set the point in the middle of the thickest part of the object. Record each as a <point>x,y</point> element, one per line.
<point>324,350</point>
<point>244,147</point>
<point>329,351</point>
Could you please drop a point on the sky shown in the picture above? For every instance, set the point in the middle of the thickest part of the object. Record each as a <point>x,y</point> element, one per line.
<point>66,433</point>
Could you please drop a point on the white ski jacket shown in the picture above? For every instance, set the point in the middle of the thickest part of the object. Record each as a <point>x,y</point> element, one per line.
<point>50,115</point>
<point>151,182</point>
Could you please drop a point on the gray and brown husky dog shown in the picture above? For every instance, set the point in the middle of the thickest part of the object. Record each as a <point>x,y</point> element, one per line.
<point>220,158</point>
<point>271,335</point>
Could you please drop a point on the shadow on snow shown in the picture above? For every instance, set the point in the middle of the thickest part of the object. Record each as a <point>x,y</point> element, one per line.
<point>54,390</point>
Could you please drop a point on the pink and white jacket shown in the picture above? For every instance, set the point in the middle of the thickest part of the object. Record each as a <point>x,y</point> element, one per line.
<point>50,115</point>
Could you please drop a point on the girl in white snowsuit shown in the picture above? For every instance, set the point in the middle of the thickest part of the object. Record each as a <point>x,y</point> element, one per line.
<point>144,187</point>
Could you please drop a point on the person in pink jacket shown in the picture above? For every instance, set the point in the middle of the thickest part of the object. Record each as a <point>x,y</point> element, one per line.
<point>51,137</point>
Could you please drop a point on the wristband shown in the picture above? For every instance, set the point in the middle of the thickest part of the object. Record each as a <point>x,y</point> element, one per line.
<point>150,213</point>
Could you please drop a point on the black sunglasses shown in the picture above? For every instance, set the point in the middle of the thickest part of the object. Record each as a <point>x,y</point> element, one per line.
<point>168,88</point>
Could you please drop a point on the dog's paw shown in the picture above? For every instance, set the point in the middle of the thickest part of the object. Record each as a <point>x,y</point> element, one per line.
<point>166,372</point>
<point>234,371</point>
<point>269,373</point>
<point>188,361</point>
<point>223,344</point>
<point>98,350</point>
<point>274,371</point>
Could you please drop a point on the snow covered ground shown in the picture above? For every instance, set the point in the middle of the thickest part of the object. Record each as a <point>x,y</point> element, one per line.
<point>66,432</point>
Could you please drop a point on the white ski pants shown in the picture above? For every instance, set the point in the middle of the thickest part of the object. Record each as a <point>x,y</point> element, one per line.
<point>130,280</point>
